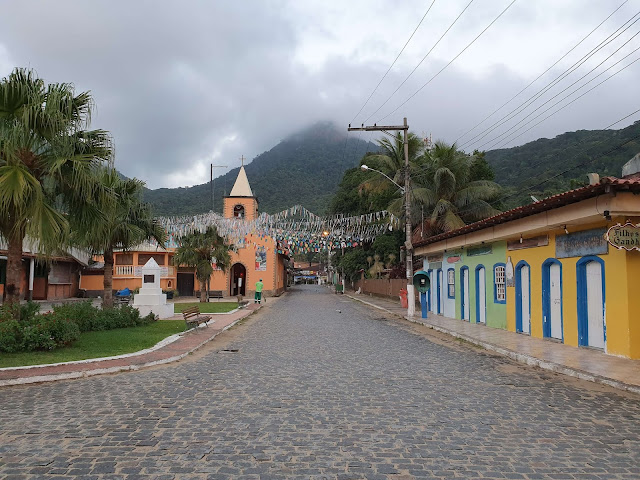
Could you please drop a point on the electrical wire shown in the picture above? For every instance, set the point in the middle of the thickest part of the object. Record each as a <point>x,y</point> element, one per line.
<point>394,62</point>
<point>421,61</point>
<point>524,105</point>
<point>511,138</point>
<point>450,62</point>
<point>539,76</point>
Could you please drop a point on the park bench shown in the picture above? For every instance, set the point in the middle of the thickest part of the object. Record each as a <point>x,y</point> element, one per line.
<point>123,299</point>
<point>216,294</point>
<point>193,317</point>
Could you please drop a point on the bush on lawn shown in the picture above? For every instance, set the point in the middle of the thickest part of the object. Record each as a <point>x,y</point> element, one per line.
<point>27,330</point>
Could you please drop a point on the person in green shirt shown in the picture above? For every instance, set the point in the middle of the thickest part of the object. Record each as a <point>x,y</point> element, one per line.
<point>259,287</point>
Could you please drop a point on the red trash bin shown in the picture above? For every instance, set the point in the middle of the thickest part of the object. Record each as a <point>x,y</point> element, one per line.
<point>403,298</point>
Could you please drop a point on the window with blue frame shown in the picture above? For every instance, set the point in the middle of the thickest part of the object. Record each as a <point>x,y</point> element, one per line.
<point>451,283</point>
<point>499,283</point>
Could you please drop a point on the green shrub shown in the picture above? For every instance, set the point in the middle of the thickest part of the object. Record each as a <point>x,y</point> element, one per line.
<point>82,313</point>
<point>62,326</point>
<point>10,335</point>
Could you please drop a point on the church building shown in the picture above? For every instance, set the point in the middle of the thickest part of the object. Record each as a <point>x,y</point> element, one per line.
<point>256,258</point>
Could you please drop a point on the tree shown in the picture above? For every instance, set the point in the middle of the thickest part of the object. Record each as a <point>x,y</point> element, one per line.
<point>391,162</point>
<point>125,222</point>
<point>47,165</point>
<point>448,191</point>
<point>199,249</point>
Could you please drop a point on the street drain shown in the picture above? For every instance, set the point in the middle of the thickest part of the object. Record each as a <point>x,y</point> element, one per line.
<point>229,350</point>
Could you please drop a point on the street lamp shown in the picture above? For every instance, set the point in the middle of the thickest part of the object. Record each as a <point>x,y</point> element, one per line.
<point>365,168</point>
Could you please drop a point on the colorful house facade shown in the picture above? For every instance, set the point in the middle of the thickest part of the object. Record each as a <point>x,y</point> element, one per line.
<point>256,257</point>
<point>547,269</point>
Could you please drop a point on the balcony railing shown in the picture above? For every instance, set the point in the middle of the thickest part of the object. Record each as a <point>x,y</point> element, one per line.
<point>136,271</point>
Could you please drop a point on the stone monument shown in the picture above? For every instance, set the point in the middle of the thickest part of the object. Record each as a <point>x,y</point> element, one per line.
<point>150,298</point>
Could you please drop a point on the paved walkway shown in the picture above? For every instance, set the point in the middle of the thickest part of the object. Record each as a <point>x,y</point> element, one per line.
<point>187,343</point>
<point>584,363</point>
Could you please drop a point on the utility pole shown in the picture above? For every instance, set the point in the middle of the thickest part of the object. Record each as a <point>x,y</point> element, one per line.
<point>411,309</point>
<point>212,167</point>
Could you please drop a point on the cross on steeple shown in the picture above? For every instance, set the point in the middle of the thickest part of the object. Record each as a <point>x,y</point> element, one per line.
<point>242,160</point>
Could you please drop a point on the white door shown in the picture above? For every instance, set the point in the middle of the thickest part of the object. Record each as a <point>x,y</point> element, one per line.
<point>442,292</point>
<point>482,297</point>
<point>465,283</point>
<point>434,294</point>
<point>595,312</point>
<point>526,314</point>
<point>555,299</point>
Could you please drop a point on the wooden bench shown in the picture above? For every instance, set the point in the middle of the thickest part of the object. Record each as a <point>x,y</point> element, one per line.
<point>193,317</point>
<point>123,299</point>
<point>216,294</point>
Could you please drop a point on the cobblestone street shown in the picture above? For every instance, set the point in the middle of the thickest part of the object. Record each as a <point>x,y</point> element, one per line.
<point>318,386</point>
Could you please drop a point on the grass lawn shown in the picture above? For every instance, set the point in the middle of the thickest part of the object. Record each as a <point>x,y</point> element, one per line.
<point>210,307</point>
<point>99,344</point>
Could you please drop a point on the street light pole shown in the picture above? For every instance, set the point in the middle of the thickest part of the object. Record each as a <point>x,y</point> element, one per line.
<point>411,308</point>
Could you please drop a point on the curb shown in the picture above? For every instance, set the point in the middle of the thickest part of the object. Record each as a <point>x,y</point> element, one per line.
<point>518,357</point>
<point>122,368</point>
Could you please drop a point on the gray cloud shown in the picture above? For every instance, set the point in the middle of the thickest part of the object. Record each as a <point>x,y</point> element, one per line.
<point>181,84</point>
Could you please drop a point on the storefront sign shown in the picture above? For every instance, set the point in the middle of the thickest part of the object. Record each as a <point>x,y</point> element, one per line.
<point>481,250</point>
<point>579,244</point>
<point>625,236</point>
<point>540,241</point>
<point>434,258</point>
<point>454,259</point>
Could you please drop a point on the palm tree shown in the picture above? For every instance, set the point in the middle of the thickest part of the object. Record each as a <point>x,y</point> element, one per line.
<point>391,161</point>
<point>447,190</point>
<point>125,222</point>
<point>47,164</point>
<point>199,250</point>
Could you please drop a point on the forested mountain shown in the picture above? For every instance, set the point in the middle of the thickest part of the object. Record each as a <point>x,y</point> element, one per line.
<point>529,169</point>
<point>307,167</point>
<point>304,169</point>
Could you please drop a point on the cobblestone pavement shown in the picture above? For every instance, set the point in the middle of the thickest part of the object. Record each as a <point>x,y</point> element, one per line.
<point>323,387</point>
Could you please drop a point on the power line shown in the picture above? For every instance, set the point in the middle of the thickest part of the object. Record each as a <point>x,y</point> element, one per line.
<point>524,105</point>
<point>450,62</point>
<point>565,106</point>
<point>420,63</point>
<point>539,76</point>
<point>530,188</point>
<point>493,141</point>
<point>394,62</point>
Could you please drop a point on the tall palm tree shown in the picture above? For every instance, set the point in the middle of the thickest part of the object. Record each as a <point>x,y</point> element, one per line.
<point>450,195</point>
<point>125,221</point>
<point>199,249</point>
<point>391,161</point>
<point>47,164</point>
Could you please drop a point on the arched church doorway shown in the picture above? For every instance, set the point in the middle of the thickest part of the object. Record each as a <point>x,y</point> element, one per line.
<point>238,280</point>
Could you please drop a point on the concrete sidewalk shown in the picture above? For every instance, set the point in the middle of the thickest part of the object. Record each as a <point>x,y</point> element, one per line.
<point>585,363</point>
<point>165,352</point>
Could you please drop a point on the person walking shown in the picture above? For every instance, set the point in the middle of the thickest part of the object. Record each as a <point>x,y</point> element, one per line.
<point>259,287</point>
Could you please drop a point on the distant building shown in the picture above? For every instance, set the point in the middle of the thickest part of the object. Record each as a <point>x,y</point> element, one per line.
<point>54,279</point>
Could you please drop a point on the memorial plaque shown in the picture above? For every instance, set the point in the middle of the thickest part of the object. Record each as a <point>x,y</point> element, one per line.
<point>149,278</point>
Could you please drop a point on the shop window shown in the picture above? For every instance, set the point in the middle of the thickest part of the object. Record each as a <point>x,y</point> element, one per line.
<point>3,271</point>
<point>451,283</point>
<point>499,285</point>
<point>238,211</point>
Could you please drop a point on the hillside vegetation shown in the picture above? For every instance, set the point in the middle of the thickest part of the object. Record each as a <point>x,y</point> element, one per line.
<point>304,169</point>
<point>523,169</point>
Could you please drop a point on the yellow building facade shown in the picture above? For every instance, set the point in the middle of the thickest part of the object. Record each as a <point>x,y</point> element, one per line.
<point>547,269</point>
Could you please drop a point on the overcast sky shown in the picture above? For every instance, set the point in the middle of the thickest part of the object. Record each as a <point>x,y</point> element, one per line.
<point>181,84</point>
